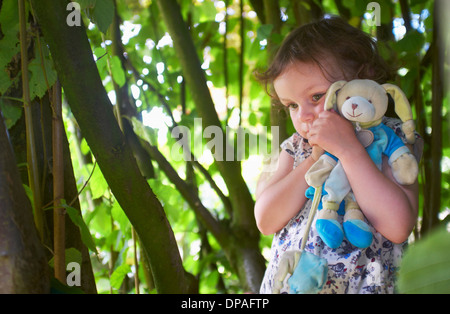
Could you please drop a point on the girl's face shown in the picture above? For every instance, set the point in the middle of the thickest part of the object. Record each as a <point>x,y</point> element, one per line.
<point>301,88</point>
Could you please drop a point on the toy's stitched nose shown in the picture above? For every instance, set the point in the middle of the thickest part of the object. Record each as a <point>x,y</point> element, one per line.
<point>354,106</point>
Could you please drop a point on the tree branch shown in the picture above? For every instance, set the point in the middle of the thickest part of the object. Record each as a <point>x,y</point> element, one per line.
<point>225,200</point>
<point>258,6</point>
<point>437,97</point>
<point>59,234</point>
<point>277,117</point>
<point>406,14</point>
<point>190,195</point>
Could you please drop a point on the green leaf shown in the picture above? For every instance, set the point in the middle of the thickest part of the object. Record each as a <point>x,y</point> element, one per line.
<point>264,31</point>
<point>39,79</point>
<point>9,43</point>
<point>86,4</point>
<point>30,195</point>
<point>5,82</point>
<point>412,42</point>
<point>426,265</point>
<point>146,133</point>
<point>11,113</point>
<point>84,146</point>
<point>57,287</point>
<point>205,11</point>
<point>71,255</point>
<point>118,275</point>
<point>101,58</point>
<point>9,16</point>
<point>99,220</point>
<point>102,14</point>
<point>252,119</point>
<point>98,183</point>
<point>9,47</point>
<point>119,215</point>
<point>76,218</point>
<point>117,71</point>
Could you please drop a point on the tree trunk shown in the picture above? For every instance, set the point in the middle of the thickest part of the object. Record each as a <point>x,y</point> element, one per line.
<point>77,71</point>
<point>23,265</point>
<point>127,108</point>
<point>430,217</point>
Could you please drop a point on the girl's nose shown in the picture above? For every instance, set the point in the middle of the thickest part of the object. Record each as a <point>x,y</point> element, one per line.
<point>306,114</point>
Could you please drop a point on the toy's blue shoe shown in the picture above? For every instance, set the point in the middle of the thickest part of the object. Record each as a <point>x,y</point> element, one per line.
<point>328,228</point>
<point>356,230</point>
<point>330,231</point>
<point>358,233</point>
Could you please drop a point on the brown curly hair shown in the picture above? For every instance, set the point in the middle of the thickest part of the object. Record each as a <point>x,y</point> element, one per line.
<point>352,50</point>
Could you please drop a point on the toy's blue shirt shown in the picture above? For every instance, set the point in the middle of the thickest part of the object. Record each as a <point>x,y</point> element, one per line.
<point>385,142</point>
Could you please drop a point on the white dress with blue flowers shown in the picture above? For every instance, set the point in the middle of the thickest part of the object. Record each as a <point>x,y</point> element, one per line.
<point>350,270</point>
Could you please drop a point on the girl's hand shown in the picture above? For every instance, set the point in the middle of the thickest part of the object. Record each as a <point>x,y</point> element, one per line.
<point>317,151</point>
<point>333,133</point>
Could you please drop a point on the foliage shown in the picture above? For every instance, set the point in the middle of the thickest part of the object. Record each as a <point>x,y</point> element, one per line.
<point>230,46</point>
<point>425,267</point>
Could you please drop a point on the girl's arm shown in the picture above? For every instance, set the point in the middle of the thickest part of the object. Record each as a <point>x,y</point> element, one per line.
<point>282,196</point>
<point>390,207</point>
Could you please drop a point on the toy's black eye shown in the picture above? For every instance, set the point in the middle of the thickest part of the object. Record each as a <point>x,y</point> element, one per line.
<point>347,98</point>
<point>370,101</point>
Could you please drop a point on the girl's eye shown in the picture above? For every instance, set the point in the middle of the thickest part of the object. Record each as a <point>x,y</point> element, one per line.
<point>292,106</point>
<point>317,97</point>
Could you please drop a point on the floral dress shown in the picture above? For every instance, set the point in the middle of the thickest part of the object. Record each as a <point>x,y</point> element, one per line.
<point>350,270</point>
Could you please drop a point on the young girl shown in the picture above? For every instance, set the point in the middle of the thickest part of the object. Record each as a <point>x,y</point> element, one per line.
<point>310,59</point>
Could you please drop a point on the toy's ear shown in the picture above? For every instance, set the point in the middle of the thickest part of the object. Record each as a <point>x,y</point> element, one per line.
<point>330,98</point>
<point>402,109</point>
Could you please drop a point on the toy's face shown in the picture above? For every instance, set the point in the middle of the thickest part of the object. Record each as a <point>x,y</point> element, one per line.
<point>362,101</point>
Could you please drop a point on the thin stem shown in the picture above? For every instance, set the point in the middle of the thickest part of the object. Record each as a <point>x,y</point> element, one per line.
<point>33,172</point>
<point>241,59</point>
<point>135,260</point>
<point>58,186</point>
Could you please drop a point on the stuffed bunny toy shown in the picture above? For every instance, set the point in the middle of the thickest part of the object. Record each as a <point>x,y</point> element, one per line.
<point>364,102</point>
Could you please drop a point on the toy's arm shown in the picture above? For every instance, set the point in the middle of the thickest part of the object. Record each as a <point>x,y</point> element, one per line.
<point>288,262</point>
<point>403,163</point>
<point>320,170</point>
<point>408,128</point>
